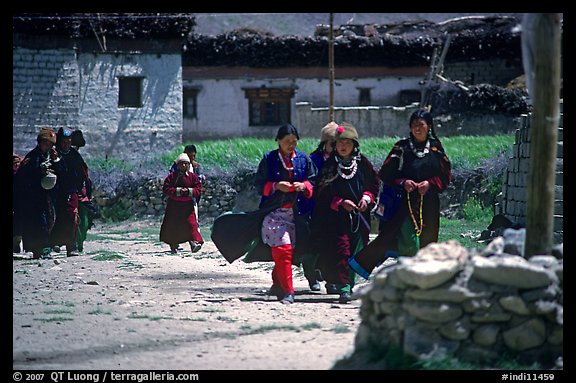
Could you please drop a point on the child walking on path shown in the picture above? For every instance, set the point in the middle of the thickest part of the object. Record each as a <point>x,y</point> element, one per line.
<point>180,224</point>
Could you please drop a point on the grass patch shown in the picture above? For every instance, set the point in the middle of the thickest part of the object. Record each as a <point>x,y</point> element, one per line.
<point>247,330</point>
<point>130,265</point>
<point>463,231</point>
<point>474,211</point>
<point>98,237</point>
<point>63,303</point>
<point>194,319</point>
<point>210,310</point>
<point>106,255</point>
<point>311,326</point>
<point>225,319</point>
<point>392,357</point>
<point>58,311</point>
<point>205,231</point>
<point>141,234</point>
<point>341,329</point>
<point>99,311</point>
<point>444,363</point>
<point>377,357</point>
<point>146,316</point>
<point>463,151</point>
<point>472,151</point>
<point>54,319</point>
<point>505,362</point>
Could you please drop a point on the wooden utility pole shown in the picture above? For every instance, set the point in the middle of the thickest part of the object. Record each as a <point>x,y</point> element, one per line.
<point>545,56</point>
<point>331,67</point>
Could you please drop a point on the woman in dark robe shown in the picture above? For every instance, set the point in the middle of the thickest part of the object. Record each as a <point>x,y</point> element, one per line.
<point>180,224</point>
<point>346,190</point>
<point>34,192</point>
<point>68,187</point>
<point>319,156</point>
<point>420,167</point>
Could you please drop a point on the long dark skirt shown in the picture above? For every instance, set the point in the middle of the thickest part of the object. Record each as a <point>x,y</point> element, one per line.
<point>38,216</point>
<point>333,258</point>
<point>66,225</point>
<point>387,240</point>
<point>179,224</point>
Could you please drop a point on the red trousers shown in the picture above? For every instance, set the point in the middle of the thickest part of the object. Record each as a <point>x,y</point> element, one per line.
<point>282,273</point>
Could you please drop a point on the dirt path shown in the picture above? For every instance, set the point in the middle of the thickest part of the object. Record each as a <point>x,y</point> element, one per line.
<point>151,310</point>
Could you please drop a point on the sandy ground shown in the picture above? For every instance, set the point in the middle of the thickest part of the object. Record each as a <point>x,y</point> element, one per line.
<point>151,310</point>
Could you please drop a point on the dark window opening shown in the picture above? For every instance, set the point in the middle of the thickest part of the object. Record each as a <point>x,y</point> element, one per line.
<point>190,103</point>
<point>407,97</point>
<point>130,92</point>
<point>365,98</point>
<point>268,106</point>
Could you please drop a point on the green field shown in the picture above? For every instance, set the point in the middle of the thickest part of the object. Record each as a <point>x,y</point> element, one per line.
<point>239,153</point>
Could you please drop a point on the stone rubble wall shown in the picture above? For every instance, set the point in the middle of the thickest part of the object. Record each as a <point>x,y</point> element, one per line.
<point>144,196</point>
<point>514,196</point>
<point>221,194</point>
<point>447,301</point>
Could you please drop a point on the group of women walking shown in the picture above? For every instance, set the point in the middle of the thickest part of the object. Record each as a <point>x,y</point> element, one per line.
<point>52,195</point>
<point>316,210</point>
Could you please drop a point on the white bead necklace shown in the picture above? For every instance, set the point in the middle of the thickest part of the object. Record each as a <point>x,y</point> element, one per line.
<point>353,166</point>
<point>420,154</point>
<point>283,161</point>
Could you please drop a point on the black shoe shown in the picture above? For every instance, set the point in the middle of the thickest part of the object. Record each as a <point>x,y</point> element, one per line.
<point>319,277</point>
<point>344,298</point>
<point>331,289</point>
<point>173,249</point>
<point>56,249</point>
<point>276,291</point>
<point>195,246</point>
<point>288,299</point>
<point>314,285</point>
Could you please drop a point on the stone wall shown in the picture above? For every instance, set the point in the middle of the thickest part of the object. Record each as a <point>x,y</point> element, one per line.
<point>447,301</point>
<point>44,93</point>
<point>223,192</point>
<point>513,203</point>
<point>220,194</point>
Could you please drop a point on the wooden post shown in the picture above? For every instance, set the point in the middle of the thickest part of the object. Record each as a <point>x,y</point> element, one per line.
<point>331,67</point>
<point>544,133</point>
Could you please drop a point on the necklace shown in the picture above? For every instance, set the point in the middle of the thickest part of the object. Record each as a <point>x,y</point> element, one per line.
<point>284,161</point>
<point>420,154</point>
<point>353,166</point>
<point>417,228</point>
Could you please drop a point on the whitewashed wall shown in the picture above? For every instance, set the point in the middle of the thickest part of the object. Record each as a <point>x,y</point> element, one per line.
<point>57,87</point>
<point>117,132</point>
<point>223,107</point>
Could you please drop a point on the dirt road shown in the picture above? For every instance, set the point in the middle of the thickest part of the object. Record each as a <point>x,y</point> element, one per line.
<point>129,304</point>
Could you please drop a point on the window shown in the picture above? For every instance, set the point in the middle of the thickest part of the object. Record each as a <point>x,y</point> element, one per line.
<point>130,92</point>
<point>269,106</point>
<point>364,98</point>
<point>190,103</point>
<point>409,96</point>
